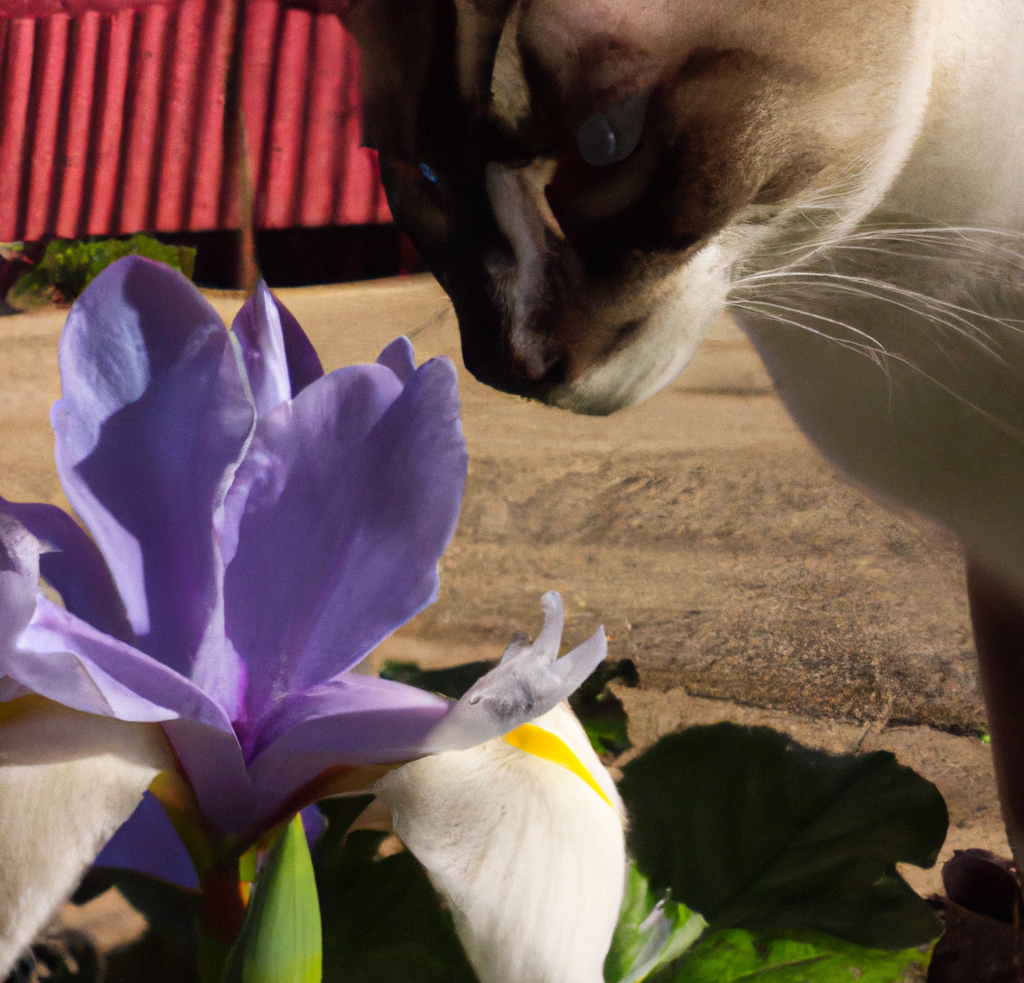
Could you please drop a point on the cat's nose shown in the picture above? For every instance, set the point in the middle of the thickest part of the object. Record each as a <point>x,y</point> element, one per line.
<point>496,358</point>
<point>522,280</point>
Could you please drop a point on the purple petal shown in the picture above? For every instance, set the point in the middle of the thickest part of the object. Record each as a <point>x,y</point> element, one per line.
<point>216,771</point>
<point>68,661</point>
<point>304,366</point>
<point>353,502</point>
<point>148,843</point>
<point>19,581</point>
<point>279,359</point>
<point>221,674</point>
<point>73,566</point>
<point>356,720</point>
<point>153,421</point>
<point>400,357</point>
<point>314,822</point>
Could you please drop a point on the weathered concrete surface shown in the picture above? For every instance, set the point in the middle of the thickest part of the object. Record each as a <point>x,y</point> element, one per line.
<point>718,549</point>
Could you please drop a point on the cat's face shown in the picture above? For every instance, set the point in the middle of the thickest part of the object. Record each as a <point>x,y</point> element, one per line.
<point>586,178</point>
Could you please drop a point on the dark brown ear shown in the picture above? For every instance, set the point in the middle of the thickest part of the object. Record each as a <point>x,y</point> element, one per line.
<point>404,44</point>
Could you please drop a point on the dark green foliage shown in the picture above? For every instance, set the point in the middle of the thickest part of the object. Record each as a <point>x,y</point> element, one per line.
<point>754,831</point>
<point>737,956</point>
<point>69,265</point>
<point>382,921</point>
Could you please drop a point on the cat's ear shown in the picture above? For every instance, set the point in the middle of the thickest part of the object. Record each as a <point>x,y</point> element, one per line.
<point>405,47</point>
<point>422,60</point>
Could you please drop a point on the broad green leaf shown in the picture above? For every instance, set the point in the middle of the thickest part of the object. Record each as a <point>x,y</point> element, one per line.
<point>280,941</point>
<point>650,932</point>
<point>737,956</point>
<point>755,831</point>
<point>382,920</point>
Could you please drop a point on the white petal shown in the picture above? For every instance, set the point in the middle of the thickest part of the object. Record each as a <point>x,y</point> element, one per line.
<point>67,781</point>
<point>530,858</point>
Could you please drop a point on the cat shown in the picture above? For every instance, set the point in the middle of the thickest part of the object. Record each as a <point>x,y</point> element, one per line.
<point>594,181</point>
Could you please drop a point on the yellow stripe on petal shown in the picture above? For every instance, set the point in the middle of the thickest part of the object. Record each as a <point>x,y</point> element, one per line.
<point>543,744</point>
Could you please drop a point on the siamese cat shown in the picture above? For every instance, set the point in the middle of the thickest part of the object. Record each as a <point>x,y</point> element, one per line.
<point>594,181</point>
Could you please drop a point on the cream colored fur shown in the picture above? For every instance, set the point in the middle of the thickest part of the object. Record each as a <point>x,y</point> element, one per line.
<point>945,414</point>
<point>529,857</point>
<point>67,781</point>
<point>916,395</point>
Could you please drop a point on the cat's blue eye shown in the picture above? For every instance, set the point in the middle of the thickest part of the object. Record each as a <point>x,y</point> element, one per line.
<point>608,137</point>
<point>428,172</point>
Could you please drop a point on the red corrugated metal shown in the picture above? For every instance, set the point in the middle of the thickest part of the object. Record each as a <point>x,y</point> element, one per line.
<point>44,157</point>
<point>119,119</point>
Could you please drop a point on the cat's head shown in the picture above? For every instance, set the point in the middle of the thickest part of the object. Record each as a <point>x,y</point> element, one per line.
<point>585,177</point>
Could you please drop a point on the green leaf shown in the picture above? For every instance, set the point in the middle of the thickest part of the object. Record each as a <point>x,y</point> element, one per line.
<point>280,941</point>
<point>382,920</point>
<point>755,831</point>
<point>69,265</point>
<point>650,933</point>
<point>736,956</point>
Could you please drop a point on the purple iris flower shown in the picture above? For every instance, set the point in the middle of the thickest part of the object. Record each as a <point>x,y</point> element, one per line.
<point>258,527</point>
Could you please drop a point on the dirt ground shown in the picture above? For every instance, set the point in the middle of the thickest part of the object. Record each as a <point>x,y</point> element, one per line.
<point>746,580</point>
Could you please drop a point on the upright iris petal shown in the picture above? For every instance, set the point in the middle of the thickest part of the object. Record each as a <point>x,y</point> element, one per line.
<point>153,420</point>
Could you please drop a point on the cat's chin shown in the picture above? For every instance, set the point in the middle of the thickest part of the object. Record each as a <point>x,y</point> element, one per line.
<point>618,385</point>
<point>679,311</point>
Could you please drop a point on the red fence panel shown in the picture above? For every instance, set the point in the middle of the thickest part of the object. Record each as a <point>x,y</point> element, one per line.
<point>120,118</point>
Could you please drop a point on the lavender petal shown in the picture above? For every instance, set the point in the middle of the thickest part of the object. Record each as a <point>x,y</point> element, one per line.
<point>400,357</point>
<point>279,359</point>
<point>73,565</point>
<point>152,424</point>
<point>19,580</point>
<point>70,662</point>
<point>355,490</point>
<point>213,762</point>
<point>148,843</point>
<point>355,720</point>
